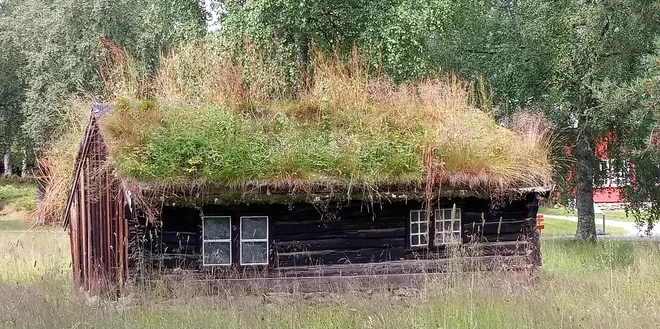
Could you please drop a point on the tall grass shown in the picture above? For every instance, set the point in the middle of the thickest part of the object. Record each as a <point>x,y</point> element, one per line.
<point>581,285</point>
<point>16,194</point>
<point>226,120</point>
<point>57,162</point>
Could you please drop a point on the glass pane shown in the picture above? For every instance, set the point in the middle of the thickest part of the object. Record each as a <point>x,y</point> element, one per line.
<point>457,225</point>
<point>414,227</point>
<point>422,239</point>
<point>458,213</point>
<point>414,216</point>
<point>422,227</point>
<point>254,253</point>
<point>447,214</point>
<point>422,216</point>
<point>415,240</point>
<point>217,253</point>
<point>446,225</point>
<point>217,228</point>
<point>254,227</point>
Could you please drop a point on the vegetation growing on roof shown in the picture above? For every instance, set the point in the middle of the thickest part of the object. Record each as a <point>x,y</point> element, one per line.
<point>219,121</point>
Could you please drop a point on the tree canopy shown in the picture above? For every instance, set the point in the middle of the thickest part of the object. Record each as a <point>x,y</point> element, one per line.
<point>588,66</point>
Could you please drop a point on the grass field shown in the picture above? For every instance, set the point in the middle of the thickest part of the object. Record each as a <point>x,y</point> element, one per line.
<point>619,215</point>
<point>604,285</point>
<point>16,194</point>
<point>561,227</point>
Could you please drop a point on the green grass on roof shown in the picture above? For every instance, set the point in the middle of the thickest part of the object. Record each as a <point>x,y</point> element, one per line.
<point>346,128</point>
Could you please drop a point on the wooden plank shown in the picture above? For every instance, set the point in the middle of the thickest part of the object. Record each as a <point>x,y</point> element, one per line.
<point>83,229</point>
<point>265,285</point>
<point>74,238</point>
<point>398,267</point>
<point>340,243</point>
<point>394,232</point>
<point>364,255</point>
<point>108,224</point>
<point>335,227</point>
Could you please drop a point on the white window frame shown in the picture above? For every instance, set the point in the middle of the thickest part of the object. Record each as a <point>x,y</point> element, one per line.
<point>421,218</point>
<point>454,236</point>
<point>204,241</point>
<point>612,179</point>
<point>241,240</point>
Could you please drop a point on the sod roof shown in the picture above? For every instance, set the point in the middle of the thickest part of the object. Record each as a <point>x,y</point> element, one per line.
<point>346,130</point>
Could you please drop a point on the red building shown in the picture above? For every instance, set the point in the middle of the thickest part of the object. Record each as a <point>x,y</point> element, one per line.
<point>607,189</point>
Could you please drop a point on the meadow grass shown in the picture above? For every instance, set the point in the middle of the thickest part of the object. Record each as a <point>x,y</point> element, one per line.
<point>29,256</point>
<point>17,194</point>
<point>561,227</point>
<point>611,284</point>
<point>619,215</point>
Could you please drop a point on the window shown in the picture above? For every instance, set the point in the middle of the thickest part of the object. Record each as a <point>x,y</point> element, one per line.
<point>608,177</point>
<point>418,229</point>
<point>254,240</point>
<point>447,226</point>
<point>216,245</point>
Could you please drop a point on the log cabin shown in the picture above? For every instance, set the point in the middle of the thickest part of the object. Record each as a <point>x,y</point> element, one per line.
<point>126,226</point>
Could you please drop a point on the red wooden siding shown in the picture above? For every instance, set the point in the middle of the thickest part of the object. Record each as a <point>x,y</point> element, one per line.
<point>96,220</point>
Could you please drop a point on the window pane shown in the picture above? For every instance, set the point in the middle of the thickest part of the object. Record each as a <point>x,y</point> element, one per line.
<point>447,214</point>
<point>458,213</point>
<point>414,216</point>
<point>421,216</point>
<point>217,228</point>
<point>446,225</point>
<point>254,253</point>
<point>414,228</point>
<point>422,227</point>
<point>254,227</point>
<point>422,239</point>
<point>415,240</point>
<point>457,225</point>
<point>217,253</point>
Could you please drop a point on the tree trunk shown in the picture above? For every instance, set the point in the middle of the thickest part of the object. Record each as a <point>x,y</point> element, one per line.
<point>24,164</point>
<point>7,155</point>
<point>303,59</point>
<point>584,180</point>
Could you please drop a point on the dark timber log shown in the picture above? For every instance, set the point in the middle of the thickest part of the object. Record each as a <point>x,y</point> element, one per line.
<point>346,239</point>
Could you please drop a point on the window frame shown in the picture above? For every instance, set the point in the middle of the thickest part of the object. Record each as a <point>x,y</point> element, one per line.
<point>241,240</point>
<point>204,241</point>
<point>612,179</point>
<point>440,228</point>
<point>419,233</point>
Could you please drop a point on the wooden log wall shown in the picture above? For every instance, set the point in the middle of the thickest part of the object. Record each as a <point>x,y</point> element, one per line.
<point>305,237</point>
<point>97,221</point>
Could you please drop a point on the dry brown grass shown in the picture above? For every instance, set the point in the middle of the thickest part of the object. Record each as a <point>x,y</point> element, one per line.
<point>57,164</point>
<point>432,115</point>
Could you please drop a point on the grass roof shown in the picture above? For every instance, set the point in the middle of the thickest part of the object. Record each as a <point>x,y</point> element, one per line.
<point>226,122</point>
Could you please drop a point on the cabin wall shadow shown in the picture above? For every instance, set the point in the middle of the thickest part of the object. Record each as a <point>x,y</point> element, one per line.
<point>343,238</point>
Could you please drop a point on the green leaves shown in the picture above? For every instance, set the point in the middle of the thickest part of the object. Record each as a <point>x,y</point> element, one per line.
<point>58,42</point>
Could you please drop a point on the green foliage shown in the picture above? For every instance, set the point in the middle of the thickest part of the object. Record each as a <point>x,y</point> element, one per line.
<point>566,228</point>
<point>554,57</point>
<point>17,194</point>
<point>59,43</point>
<point>213,144</point>
<point>571,256</point>
<point>635,109</point>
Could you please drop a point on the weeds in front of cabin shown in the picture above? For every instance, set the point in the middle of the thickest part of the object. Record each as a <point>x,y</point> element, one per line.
<point>36,255</point>
<point>581,285</point>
